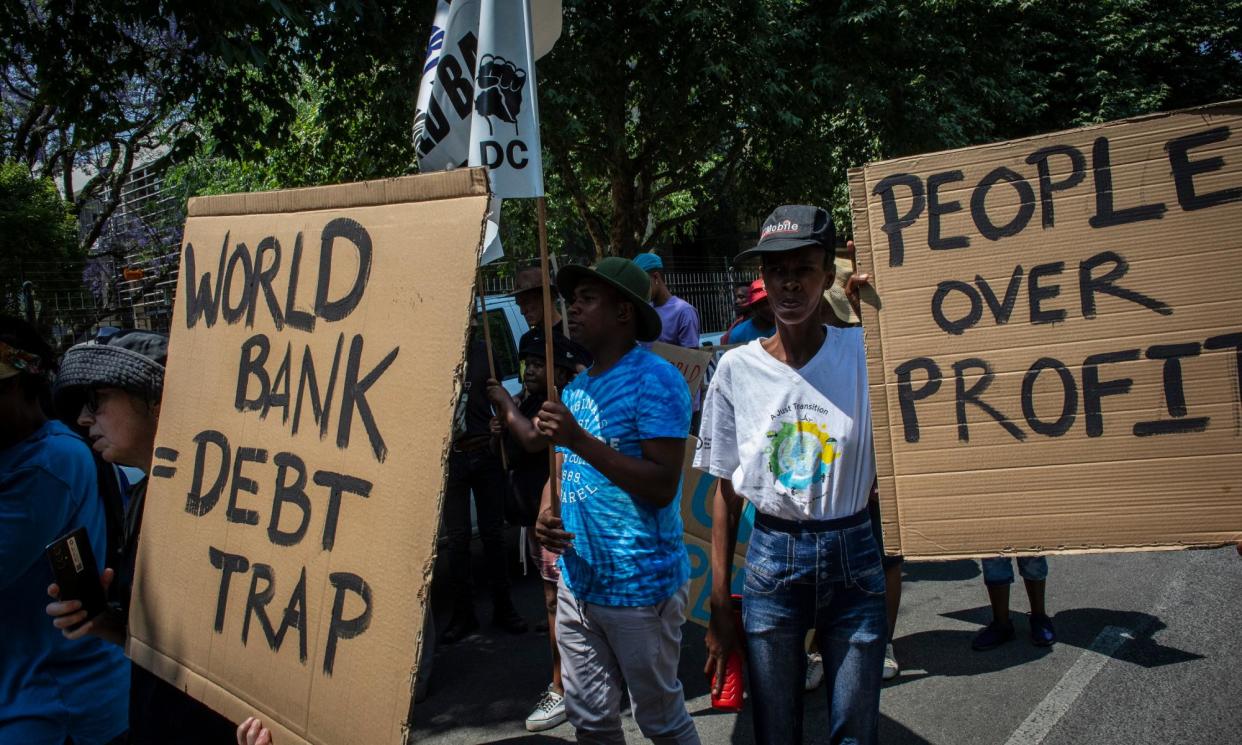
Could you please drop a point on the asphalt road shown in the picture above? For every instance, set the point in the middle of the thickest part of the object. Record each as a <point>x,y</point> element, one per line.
<point>1149,651</point>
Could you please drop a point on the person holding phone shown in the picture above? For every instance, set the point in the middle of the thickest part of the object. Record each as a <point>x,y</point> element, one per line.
<point>52,689</point>
<point>112,386</point>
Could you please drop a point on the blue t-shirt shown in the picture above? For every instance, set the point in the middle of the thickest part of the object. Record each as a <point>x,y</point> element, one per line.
<point>50,687</point>
<point>626,552</point>
<point>746,331</point>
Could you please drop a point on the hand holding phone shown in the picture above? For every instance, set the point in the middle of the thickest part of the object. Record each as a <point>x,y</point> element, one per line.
<point>77,578</point>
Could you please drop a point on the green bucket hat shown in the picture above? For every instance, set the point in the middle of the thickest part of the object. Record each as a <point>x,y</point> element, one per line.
<point>628,278</point>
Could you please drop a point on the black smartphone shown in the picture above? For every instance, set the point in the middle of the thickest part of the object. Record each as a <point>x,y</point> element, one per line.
<point>73,565</point>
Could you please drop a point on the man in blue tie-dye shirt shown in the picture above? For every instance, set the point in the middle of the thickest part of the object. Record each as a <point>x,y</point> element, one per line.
<point>621,434</point>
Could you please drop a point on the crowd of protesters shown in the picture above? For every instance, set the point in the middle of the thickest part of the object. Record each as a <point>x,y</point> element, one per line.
<point>785,427</point>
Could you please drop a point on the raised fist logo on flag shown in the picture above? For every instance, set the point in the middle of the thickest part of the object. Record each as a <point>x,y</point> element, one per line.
<point>499,84</point>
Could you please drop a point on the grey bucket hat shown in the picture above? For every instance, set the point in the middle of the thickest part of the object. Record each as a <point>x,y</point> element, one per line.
<point>131,360</point>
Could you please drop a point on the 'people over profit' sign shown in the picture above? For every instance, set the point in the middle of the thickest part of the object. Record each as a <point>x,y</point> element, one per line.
<point>1056,365</point>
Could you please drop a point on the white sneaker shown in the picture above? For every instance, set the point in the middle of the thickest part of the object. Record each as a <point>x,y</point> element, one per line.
<point>548,713</point>
<point>891,668</point>
<point>814,670</point>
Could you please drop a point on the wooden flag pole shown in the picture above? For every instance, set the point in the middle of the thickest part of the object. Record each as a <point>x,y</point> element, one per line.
<point>560,302</point>
<point>554,474</point>
<point>487,342</point>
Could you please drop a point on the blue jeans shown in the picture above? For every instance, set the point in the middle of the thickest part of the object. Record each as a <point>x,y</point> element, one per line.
<point>824,575</point>
<point>998,570</point>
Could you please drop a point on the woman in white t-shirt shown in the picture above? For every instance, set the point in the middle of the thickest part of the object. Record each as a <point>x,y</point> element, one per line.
<point>787,427</point>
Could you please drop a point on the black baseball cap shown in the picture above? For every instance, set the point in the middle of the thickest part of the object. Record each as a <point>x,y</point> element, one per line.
<point>565,352</point>
<point>793,226</point>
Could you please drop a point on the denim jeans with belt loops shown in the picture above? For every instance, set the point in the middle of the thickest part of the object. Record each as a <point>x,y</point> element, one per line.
<point>824,575</point>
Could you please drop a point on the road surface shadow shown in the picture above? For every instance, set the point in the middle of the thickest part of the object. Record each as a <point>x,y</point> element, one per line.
<point>1079,627</point>
<point>940,571</point>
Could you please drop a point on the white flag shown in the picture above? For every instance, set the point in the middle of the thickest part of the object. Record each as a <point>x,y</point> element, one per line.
<point>443,141</point>
<point>504,127</point>
<point>483,106</point>
<point>434,47</point>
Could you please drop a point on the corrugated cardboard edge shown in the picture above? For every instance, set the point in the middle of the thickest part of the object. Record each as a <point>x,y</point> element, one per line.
<point>864,260</point>
<point>1222,108</point>
<point>1074,551</point>
<point>459,375</point>
<point>463,182</point>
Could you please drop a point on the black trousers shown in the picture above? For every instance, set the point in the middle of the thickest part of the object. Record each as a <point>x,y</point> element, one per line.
<point>475,473</point>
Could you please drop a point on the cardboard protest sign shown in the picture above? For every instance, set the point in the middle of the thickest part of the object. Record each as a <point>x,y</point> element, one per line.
<point>691,363</point>
<point>290,524</point>
<point>698,491</point>
<point>699,605</point>
<point>1056,366</point>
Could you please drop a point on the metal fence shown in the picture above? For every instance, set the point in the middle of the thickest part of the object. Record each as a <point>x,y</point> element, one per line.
<point>707,284</point>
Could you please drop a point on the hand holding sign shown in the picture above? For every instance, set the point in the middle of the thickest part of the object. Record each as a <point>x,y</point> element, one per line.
<point>252,732</point>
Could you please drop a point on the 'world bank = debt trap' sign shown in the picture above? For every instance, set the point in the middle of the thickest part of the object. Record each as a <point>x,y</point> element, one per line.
<point>1055,367</point>
<point>289,531</point>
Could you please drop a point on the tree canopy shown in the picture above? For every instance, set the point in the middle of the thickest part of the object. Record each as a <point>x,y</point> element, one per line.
<point>38,235</point>
<point>664,121</point>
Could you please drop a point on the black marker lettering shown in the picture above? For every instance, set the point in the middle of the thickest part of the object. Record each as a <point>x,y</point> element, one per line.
<point>197,502</point>
<point>205,302</point>
<point>338,484</point>
<point>1069,398</point>
<point>263,280</point>
<point>254,353</point>
<point>307,380</point>
<point>289,493</point>
<point>352,231</point>
<point>298,319</point>
<point>256,604</point>
<point>907,396</point>
<point>1093,389</point>
<point>965,396</point>
<point>227,564</point>
<point>935,208</point>
<point>1001,310</point>
<point>1174,392</point>
<point>235,514</point>
<point>340,627</point>
<point>1037,294</point>
<point>1088,285</point>
<point>354,396</point>
<point>1078,167</point>
<point>956,327</point>
<point>1185,170</point>
<point>295,617</point>
<point>894,223</point>
<point>979,209</point>
<point>239,257</point>
<point>1105,215</point>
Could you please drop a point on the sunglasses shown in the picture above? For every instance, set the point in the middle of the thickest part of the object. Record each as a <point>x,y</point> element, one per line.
<point>92,402</point>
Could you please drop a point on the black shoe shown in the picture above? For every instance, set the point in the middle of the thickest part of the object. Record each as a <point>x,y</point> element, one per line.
<point>1042,633</point>
<point>992,636</point>
<point>460,627</point>
<point>506,617</point>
